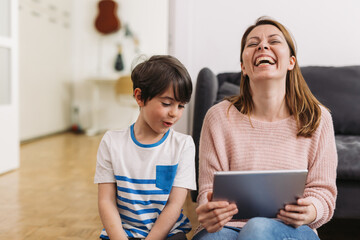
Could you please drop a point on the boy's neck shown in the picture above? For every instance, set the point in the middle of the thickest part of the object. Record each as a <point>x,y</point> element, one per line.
<point>144,134</point>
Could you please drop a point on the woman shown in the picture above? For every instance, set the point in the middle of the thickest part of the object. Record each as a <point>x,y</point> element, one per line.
<point>275,123</point>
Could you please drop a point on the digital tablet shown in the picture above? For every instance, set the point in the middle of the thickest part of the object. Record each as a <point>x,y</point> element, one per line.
<point>259,193</point>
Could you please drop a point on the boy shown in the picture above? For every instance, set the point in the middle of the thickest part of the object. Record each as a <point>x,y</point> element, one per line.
<point>144,172</point>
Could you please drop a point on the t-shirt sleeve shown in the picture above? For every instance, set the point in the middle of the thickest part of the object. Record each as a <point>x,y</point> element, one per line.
<point>185,175</point>
<point>104,172</point>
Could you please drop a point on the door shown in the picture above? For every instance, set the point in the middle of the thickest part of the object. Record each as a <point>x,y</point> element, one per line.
<point>9,127</point>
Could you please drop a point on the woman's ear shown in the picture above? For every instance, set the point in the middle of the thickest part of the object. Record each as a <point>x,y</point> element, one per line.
<point>243,69</point>
<point>137,96</point>
<point>292,63</point>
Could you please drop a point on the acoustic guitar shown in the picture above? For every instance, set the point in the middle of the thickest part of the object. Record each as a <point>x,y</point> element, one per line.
<point>107,21</point>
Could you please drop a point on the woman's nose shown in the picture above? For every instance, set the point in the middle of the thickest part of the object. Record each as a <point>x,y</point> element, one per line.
<point>263,45</point>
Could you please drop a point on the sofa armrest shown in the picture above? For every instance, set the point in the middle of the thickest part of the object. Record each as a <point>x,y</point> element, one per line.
<point>205,96</point>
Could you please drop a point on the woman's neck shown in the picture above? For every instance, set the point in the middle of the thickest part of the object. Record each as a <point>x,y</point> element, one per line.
<point>269,102</point>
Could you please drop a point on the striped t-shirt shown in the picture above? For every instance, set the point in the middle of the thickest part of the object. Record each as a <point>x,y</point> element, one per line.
<point>144,175</point>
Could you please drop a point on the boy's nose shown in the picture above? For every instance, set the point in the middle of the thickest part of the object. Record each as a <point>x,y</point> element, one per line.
<point>173,112</point>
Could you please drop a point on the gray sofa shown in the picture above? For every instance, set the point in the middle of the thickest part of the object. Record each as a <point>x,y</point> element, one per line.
<point>338,88</point>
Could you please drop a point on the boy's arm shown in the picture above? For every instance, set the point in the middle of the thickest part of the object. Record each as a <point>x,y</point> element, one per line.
<point>108,211</point>
<point>169,215</point>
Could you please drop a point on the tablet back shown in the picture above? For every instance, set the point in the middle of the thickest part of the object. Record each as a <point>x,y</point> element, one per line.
<point>259,193</point>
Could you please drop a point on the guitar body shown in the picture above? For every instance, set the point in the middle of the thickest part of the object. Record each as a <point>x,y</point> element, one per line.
<point>107,21</point>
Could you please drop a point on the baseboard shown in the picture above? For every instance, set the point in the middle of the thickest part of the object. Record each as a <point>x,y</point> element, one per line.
<point>25,141</point>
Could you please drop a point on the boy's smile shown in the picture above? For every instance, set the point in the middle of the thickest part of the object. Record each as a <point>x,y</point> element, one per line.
<point>157,116</point>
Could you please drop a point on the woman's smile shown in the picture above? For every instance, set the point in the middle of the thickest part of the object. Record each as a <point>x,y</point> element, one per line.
<point>266,54</point>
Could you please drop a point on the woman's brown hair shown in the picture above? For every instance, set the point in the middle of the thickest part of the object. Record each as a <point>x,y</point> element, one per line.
<point>301,102</point>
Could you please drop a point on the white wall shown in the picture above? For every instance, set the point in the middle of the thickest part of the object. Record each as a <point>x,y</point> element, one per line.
<point>95,54</point>
<point>208,32</point>
<point>60,51</point>
<point>56,62</point>
<point>45,55</point>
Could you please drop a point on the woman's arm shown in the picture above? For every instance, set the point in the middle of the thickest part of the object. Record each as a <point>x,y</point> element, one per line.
<point>213,157</point>
<point>318,204</point>
<point>169,215</point>
<point>108,211</point>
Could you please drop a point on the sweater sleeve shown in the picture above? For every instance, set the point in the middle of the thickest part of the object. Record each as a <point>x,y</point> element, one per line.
<point>321,182</point>
<point>212,154</point>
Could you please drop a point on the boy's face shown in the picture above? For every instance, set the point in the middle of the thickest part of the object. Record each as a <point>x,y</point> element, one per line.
<point>161,112</point>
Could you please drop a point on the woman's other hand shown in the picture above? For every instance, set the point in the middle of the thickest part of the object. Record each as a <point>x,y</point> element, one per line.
<point>297,215</point>
<point>214,215</point>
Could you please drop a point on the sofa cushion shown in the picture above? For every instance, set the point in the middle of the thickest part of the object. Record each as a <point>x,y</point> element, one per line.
<point>227,89</point>
<point>348,149</point>
<point>338,88</point>
<point>231,77</point>
<point>207,83</point>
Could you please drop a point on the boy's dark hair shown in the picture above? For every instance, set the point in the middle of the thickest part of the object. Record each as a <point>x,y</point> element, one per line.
<point>158,73</point>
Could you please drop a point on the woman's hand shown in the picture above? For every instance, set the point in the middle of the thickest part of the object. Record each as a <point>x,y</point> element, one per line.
<point>214,215</point>
<point>297,215</point>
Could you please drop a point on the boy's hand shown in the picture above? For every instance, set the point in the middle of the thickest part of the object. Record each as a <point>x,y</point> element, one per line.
<point>214,215</point>
<point>297,215</point>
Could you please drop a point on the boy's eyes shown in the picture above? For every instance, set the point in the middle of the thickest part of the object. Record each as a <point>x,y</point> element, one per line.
<point>165,104</point>
<point>169,104</point>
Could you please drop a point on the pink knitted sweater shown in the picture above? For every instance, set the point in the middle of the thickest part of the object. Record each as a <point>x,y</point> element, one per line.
<point>228,143</point>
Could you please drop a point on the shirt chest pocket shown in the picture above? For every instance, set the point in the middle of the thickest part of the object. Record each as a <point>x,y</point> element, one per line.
<point>165,175</point>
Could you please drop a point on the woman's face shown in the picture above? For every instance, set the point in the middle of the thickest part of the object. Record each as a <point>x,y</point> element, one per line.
<point>266,54</point>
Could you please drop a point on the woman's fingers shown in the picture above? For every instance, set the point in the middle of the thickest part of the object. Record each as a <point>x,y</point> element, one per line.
<point>215,212</point>
<point>218,226</point>
<point>210,206</point>
<point>304,202</point>
<point>296,208</point>
<point>218,221</point>
<point>214,215</point>
<point>297,215</point>
<point>290,221</point>
<point>209,196</point>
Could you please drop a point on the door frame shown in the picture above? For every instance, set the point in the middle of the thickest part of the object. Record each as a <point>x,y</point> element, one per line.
<point>9,113</point>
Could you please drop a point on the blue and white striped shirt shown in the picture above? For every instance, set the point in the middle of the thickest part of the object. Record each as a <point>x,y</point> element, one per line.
<point>144,175</point>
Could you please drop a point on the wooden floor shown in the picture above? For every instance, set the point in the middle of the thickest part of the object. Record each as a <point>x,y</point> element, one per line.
<point>52,195</point>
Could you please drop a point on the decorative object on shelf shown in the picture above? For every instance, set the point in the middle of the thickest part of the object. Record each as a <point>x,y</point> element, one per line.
<point>124,85</point>
<point>75,127</point>
<point>130,34</point>
<point>124,94</point>
<point>119,64</point>
<point>107,21</point>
